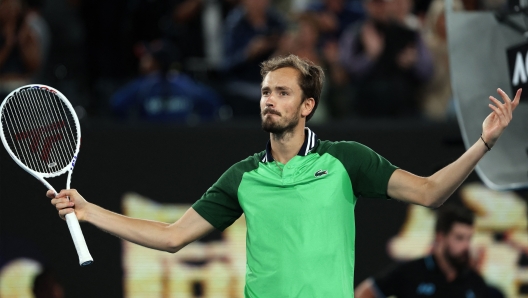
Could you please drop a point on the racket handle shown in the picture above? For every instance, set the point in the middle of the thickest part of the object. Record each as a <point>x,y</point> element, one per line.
<point>85,258</point>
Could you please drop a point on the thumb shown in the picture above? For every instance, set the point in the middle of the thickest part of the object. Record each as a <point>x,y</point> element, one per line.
<point>50,194</point>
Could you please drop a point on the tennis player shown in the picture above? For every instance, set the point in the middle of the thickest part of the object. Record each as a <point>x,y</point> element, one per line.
<point>298,195</point>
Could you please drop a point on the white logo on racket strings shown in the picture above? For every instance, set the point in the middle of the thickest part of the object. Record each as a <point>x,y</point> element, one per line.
<point>52,164</point>
<point>73,162</point>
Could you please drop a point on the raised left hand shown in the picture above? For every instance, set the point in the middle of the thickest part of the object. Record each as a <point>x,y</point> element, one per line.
<point>501,116</point>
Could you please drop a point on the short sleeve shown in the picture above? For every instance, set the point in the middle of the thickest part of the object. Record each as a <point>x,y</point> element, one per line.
<point>369,172</point>
<point>219,204</point>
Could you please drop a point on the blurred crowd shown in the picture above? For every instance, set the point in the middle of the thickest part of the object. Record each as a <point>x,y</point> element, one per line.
<point>191,61</point>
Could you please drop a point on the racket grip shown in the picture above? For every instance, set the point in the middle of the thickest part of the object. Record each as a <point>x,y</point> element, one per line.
<point>85,258</point>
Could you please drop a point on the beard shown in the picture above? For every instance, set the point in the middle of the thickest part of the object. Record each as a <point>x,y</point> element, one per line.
<point>274,126</point>
<point>460,262</point>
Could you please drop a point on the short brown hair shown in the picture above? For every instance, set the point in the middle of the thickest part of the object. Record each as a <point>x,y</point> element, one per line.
<point>311,76</point>
<point>448,215</point>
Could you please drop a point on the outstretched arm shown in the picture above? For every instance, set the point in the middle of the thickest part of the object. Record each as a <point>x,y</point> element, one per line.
<point>157,235</point>
<point>433,191</point>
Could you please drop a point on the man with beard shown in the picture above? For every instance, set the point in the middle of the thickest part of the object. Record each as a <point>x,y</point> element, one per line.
<point>298,195</point>
<point>446,272</point>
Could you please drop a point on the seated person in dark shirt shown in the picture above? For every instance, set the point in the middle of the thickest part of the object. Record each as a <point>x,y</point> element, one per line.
<point>253,31</point>
<point>444,273</point>
<point>161,95</point>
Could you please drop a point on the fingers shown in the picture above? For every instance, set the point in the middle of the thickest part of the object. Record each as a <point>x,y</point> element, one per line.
<point>63,212</point>
<point>50,194</point>
<point>506,108</point>
<point>507,101</point>
<point>67,193</point>
<point>499,108</point>
<point>505,98</point>
<point>517,98</point>
<point>496,110</point>
<point>64,193</point>
<point>63,205</point>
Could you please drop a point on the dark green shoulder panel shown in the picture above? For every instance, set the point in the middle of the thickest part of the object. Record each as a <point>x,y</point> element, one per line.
<point>219,205</point>
<point>368,171</point>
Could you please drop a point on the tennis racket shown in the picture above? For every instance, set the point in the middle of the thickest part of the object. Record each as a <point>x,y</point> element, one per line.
<point>41,132</point>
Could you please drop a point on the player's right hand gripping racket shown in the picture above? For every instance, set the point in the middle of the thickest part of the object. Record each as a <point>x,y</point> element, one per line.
<point>40,130</point>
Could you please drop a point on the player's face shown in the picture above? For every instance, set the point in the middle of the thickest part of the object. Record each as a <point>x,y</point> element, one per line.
<point>457,243</point>
<point>281,101</point>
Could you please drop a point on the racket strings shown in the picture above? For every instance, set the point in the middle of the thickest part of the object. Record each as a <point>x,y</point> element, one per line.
<point>40,129</point>
<point>23,136</point>
<point>56,125</point>
<point>39,133</point>
<point>45,132</point>
<point>24,126</point>
<point>31,133</point>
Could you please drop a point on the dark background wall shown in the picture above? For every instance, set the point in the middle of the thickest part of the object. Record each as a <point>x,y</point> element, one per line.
<point>177,164</point>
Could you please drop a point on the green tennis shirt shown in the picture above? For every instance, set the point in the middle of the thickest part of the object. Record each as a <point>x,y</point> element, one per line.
<point>300,216</point>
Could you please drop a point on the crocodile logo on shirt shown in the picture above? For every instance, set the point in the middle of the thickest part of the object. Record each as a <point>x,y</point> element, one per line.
<point>320,173</point>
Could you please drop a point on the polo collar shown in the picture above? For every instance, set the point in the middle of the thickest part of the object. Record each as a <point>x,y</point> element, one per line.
<point>310,139</point>
<point>431,264</point>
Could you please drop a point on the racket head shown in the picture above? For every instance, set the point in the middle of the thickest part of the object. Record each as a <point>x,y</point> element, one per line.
<point>40,130</point>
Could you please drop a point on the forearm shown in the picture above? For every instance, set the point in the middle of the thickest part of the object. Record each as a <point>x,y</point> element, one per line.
<point>441,185</point>
<point>433,191</point>
<point>152,234</point>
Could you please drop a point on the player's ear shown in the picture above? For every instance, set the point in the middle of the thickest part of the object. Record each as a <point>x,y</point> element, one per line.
<point>307,106</point>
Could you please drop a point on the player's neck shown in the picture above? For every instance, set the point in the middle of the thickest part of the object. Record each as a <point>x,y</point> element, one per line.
<point>449,271</point>
<point>285,146</point>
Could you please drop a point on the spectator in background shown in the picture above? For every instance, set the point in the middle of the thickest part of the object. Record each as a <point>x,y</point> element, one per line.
<point>197,29</point>
<point>302,39</point>
<point>446,272</point>
<point>163,95</point>
<point>437,97</point>
<point>20,49</point>
<point>387,60</point>
<point>40,27</point>
<point>334,16</point>
<point>253,31</point>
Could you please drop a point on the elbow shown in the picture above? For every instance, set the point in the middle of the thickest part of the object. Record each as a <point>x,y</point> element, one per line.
<point>172,250</point>
<point>433,202</point>
<point>173,246</point>
<point>431,197</point>
<point>174,243</point>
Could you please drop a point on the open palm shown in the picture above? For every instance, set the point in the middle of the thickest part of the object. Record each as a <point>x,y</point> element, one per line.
<point>500,117</point>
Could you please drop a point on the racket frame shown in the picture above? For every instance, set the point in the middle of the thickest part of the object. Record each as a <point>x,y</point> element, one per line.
<point>85,258</point>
